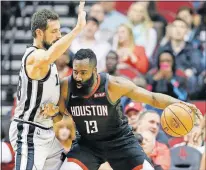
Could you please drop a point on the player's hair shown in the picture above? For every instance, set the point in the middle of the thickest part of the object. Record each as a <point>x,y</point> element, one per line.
<point>40,18</point>
<point>142,114</point>
<point>179,19</point>
<point>173,58</point>
<point>84,54</point>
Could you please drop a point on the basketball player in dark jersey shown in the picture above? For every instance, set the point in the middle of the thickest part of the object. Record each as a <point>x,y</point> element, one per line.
<point>93,100</point>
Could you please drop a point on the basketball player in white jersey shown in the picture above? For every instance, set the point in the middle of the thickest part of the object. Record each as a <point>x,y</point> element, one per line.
<point>31,134</point>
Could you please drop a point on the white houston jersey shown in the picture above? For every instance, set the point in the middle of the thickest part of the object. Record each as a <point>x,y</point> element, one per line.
<point>31,94</point>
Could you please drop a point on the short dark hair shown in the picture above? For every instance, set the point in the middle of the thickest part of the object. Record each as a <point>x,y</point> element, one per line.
<point>40,18</point>
<point>112,52</point>
<point>179,19</point>
<point>84,54</point>
<point>185,8</point>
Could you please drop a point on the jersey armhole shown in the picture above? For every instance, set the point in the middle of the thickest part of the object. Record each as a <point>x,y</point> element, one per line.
<point>106,91</point>
<point>30,79</point>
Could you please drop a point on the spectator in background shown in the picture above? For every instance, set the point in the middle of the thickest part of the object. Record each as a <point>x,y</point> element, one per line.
<point>187,14</point>
<point>7,153</point>
<point>148,145</point>
<point>187,57</point>
<point>188,139</point>
<point>65,132</point>
<point>167,36</point>
<point>129,53</point>
<point>7,156</point>
<point>150,121</point>
<point>111,63</point>
<point>112,18</point>
<point>200,93</point>
<point>166,78</point>
<point>62,66</point>
<point>97,12</point>
<point>142,27</point>
<point>70,55</point>
<point>87,40</point>
<point>159,21</point>
<point>132,111</point>
<point>113,68</point>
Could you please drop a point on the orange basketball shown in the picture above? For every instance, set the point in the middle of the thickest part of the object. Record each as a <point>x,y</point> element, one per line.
<point>177,119</point>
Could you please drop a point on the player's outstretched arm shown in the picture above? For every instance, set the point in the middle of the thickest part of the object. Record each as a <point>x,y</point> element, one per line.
<point>124,87</point>
<point>40,59</point>
<point>119,87</point>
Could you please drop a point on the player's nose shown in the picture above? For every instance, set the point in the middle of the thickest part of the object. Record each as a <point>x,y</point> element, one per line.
<point>78,77</point>
<point>59,35</point>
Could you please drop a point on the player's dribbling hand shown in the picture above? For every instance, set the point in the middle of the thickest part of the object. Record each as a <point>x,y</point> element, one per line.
<point>197,131</point>
<point>195,110</point>
<point>49,109</point>
<point>81,16</point>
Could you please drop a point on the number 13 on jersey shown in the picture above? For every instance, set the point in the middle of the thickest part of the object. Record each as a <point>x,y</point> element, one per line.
<point>91,126</point>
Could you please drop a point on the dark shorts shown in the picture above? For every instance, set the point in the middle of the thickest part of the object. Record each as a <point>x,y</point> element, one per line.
<point>123,153</point>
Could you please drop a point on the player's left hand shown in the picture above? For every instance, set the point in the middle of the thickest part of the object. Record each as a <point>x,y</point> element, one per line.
<point>49,109</point>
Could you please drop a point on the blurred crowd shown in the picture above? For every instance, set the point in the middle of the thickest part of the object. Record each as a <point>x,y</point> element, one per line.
<point>159,56</point>
<point>156,55</point>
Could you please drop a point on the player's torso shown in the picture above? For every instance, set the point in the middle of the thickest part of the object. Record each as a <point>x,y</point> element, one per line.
<point>96,118</point>
<point>31,94</point>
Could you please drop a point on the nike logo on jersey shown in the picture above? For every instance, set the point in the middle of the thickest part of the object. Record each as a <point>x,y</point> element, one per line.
<point>74,96</point>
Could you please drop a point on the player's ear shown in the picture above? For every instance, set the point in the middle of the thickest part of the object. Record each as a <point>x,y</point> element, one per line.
<point>39,32</point>
<point>95,70</point>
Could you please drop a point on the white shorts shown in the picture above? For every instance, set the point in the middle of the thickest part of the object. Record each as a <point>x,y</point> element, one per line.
<point>36,148</point>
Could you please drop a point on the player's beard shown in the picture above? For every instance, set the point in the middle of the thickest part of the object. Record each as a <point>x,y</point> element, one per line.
<point>85,89</point>
<point>46,44</point>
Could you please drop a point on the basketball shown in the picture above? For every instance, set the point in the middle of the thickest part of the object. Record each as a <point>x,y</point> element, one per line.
<point>177,119</point>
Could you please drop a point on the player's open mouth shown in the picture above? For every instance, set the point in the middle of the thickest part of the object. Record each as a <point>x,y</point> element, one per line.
<point>79,85</point>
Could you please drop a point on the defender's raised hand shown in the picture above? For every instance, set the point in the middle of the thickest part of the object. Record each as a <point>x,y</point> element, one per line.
<point>81,16</point>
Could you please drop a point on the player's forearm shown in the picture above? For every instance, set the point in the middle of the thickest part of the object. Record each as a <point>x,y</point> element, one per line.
<point>161,101</point>
<point>59,47</point>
